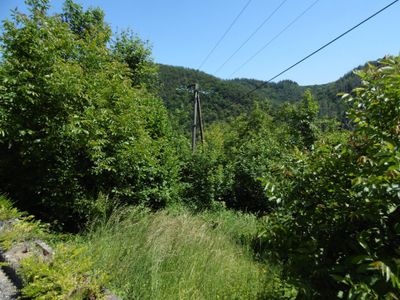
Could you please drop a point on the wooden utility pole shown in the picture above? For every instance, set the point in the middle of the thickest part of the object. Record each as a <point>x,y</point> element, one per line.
<point>197,117</point>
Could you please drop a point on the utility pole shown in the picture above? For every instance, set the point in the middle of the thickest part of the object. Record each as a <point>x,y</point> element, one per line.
<point>197,117</point>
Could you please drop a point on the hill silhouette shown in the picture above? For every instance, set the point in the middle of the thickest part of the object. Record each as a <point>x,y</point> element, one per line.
<point>222,99</point>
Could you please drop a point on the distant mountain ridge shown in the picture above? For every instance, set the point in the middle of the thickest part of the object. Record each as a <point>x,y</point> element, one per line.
<point>224,98</point>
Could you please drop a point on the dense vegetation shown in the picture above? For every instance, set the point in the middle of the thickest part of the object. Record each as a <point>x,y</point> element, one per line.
<point>142,255</point>
<point>222,99</point>
<point>73,123</point>
<point>281,202</point>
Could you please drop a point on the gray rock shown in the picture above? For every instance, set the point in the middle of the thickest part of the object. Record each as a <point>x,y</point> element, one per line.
<point>7,290</point>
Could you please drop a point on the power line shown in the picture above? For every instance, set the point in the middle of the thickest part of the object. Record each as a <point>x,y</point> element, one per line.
<point>275,37</point>
<point>225,33</point>
<point>319,49</point>
<point>251,36</point>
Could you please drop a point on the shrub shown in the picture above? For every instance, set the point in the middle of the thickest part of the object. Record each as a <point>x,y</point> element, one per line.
<point>69,275</point>
<point>337,229</point>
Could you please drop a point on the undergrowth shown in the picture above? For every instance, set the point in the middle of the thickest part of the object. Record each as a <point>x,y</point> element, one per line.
<point>69,275</point>
<point>17,227</point>
<point>7,210</point>
<point>140,254</point>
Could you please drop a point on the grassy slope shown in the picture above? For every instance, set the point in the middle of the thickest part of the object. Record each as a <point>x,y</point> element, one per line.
<point>170,254</point>
<point>177,255</point>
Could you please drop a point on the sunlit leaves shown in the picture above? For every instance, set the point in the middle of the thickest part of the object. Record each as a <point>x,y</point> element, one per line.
<point>346,201</point>
<point>72,124</point>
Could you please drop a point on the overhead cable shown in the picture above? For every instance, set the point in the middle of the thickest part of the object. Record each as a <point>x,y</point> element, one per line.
<point>224,34</point>
<point>276,36</point>
<point>251,36</point>
<point>320,48</point>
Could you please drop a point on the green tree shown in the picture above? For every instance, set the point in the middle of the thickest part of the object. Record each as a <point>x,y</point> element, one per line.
<point>85,25</point>
<point>128,48</point>
<point>254,146</point>
<point>308,112</point>
<point>301,118</point>
<point>72,123</point>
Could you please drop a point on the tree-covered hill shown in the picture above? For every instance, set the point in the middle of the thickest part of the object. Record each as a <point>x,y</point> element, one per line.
<point>220,98</point>
<point>224,98</point>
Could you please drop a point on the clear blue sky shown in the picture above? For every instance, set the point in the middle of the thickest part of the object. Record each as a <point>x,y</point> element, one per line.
<point>182,32</point>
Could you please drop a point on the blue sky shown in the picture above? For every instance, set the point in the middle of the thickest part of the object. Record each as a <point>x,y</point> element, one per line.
<point>182,32</point>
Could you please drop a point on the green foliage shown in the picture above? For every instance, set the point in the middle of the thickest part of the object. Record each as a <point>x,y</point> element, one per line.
<point>337,229</point>
<point>301,119</point>
<point>207,174</point>
<point>376,114</point>
<point>86,25</point>
<point>7,209</point>
<point>217,96</point>
<point>257,149</point>
<point>163,255</point>
<point>17,227</point>
<point>73,124</point>
<point>257,146</point>
<point>223,99</point>
<point>308,113</point>
<point>69,275</point>
<point>22,230</point>
<point>81,132</point>
<point>236,155</point>
<point>128,48</point>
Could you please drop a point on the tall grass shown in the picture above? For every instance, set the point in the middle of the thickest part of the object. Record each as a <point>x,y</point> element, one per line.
<point>139,254</point>
<point>178,255</point>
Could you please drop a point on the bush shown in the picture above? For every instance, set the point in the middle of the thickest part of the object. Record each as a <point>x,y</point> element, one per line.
<point>236,156</point>
<point>337,229</point>
<point>69,275</point>
<point>255,148</point>
<point>206,173</point>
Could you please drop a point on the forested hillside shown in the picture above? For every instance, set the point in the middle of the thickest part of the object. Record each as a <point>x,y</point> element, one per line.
<point>281,201</point>
<point>222,99</point>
